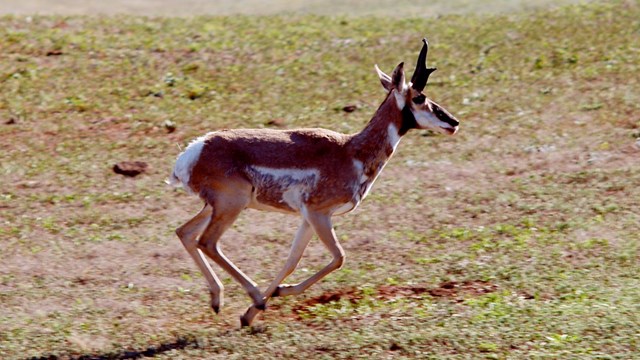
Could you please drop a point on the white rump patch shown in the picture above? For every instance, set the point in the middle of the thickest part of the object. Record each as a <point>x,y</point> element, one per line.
<point>185,163</point>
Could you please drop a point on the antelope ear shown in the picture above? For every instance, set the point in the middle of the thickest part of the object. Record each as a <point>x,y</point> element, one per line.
<point>395,81</point>
<point>385,79</point>
<point>397,78</point>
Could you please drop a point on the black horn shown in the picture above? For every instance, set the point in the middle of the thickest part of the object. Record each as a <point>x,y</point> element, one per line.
<point>422,72</point>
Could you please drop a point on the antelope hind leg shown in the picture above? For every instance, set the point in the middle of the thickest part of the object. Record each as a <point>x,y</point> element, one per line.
<point>226,211</point>
<point>188,234</point>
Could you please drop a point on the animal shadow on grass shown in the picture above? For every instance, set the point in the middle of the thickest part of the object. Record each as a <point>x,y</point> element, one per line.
<point>179,344</point>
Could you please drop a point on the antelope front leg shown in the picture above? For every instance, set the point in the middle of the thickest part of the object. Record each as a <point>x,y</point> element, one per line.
<point>300,242</point>
<point>188,234</point>
<point>322,225</point>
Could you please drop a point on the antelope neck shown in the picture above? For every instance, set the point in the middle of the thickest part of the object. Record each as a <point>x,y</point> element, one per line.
<point>375,144</point>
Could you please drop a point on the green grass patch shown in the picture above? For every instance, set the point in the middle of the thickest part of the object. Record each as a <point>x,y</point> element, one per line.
<point>517,238</point>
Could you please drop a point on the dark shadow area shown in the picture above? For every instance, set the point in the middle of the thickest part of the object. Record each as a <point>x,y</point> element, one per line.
<point>178,344</point>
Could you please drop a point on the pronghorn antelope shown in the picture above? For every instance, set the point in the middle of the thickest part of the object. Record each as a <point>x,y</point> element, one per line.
<point>315,173</point>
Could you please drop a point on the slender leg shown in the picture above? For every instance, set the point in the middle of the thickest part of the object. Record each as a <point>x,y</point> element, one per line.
<point>188,234</point>
<point>225,213</point>
<point>322,225</point>
<point>300,242</point>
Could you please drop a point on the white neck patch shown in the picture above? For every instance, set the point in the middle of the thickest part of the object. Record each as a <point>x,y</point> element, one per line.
<point>394,136</point>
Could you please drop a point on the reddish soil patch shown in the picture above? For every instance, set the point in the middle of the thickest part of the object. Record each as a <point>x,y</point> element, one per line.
<point>353,295</point>
<point>386,292</point>
<point>453,290</point>
<point>450,289</point>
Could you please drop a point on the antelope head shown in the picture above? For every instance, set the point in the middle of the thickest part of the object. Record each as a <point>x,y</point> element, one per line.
<point>418,111</point>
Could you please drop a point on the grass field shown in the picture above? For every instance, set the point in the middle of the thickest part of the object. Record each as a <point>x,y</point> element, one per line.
<point>393,8</point>
<point>517,238</point>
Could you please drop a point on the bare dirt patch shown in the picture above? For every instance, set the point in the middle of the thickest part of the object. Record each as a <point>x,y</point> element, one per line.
<point>457,290</point>
<point>352,295</point>
<point>449,290</point>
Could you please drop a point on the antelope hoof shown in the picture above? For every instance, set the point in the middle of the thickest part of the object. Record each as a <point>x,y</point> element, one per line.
<point>216,302</point>
<point>244,321</point>
<point>247,318</point>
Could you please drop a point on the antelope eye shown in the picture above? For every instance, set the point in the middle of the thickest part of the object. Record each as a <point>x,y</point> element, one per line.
<point>419,99</point>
